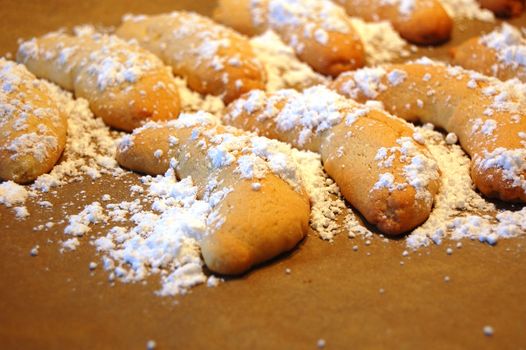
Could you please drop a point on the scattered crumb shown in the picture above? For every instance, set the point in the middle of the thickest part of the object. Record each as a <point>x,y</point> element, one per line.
<point>151,345</point>
<point>488,331</point>
<point>34,250</point>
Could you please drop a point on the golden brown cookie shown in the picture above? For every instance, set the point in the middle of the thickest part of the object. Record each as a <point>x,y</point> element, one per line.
<point>423,22</point>
<point>33,127</point>
<point>487,118</point>
<point>378,165</point>
<point>124,84</point>
<point>501,53</point>
<point>503,8</point>
<point>320,32</point>
<point>258,206</point>
<point>213,59</point>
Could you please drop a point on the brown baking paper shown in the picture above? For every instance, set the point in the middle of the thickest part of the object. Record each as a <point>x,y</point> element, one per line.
<point>371,298</point>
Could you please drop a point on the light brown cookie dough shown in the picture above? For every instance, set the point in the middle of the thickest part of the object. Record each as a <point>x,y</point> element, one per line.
<point>501,53</point>
<point>487,118</point>
<point>213,59</point>
<point>423,22</point>
<point>373,157</point>
<point>259,207</point>
<point>124,84</point>
<point>33,128</point>
<point>320,32</point>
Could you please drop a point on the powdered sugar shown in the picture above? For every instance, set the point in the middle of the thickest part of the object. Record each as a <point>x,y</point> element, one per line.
<point>284,70</point>
<point>509,43</point>
<point>381,42</point>
<point>405,7</point>
<point>460,212</point>
<point>109,60</point>
<point>12,194</point>
<point>467,9</point>
<point>293,12</point>
<point>512,163</point>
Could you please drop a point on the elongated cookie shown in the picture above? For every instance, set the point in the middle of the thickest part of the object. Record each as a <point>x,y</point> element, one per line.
<point>423,22</point>
<point>503,8</point>
<point>124,84</point>
<point>32,126</point>
<point>378,165</point>
<point>320,32</point>
<point>501,53</point>
<point>214,59</point>
<point>487,118</point>
<point>258,208</point>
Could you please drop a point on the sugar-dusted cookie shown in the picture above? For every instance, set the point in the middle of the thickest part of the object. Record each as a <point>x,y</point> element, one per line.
<point>214,59</point>
<point>487,118</point>
<point>258,208</point>
<point>501,53</point>
<point>376,159</point>
<point>423,22</point>
<point>33,127</point>
<point>124,84</point>
<point>320,32</point>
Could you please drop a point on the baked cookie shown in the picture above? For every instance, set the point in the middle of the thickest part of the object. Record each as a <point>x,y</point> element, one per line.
<point>213,59</point>
<point>33,127</point>
<point>487,118</point>
<point>501,53</point>
<point>319,31</point>
<point>503,8</point>
<point>375,158</point>
<point>124,84</point>
<point>258,208</point>
<point>422,22</point>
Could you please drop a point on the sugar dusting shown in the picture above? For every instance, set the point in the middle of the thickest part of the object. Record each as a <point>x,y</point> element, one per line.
<point>467,9</point>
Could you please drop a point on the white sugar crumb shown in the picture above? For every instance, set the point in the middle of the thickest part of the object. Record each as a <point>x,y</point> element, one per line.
<point>488,331</point>
<point>21,212</point>
<point>34,250</point>
<point>213,281</point>
<point>92,265</point>
<point>70,244</point>
<point>451,138</point>
<point>12,194</point>
<point>151,345</point>
<point>321,343</point>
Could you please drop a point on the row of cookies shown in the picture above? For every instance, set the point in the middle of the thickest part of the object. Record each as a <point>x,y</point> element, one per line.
<point>397,195</point>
